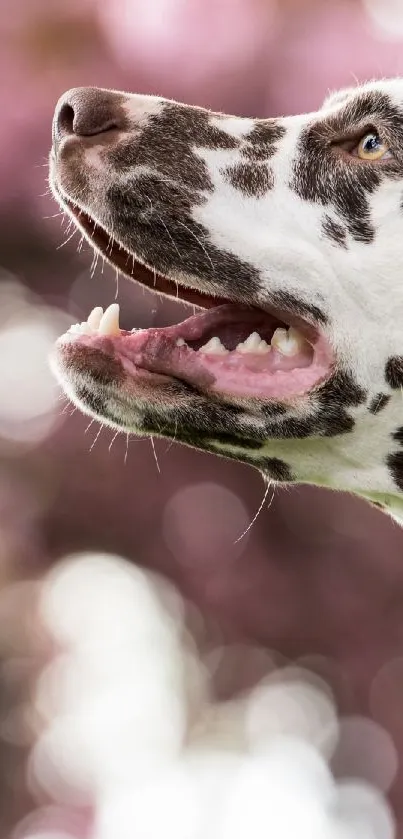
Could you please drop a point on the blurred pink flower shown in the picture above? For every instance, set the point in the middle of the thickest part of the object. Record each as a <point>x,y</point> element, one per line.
<point>199,51</point>
<point>323,47</point>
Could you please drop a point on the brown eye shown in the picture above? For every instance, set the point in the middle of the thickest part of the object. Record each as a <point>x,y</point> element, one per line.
<point>371,147</point>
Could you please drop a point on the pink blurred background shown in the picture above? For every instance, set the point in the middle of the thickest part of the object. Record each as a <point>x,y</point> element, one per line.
<point>318,576</point>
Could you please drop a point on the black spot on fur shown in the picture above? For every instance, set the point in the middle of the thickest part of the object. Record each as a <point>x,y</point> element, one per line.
<point>104,369</point>
<point>330,417</point>
<point>207,425</point>
<point>167,145</point>
<point>152,213</point>
<point>284,300</point>
<point>334,231</point>
<point>320,179</point>
<point>171,240</point>
<point>394,371</point>
<point>395,465</point>
<point>277,469</point>
<point>343,390</point>
<point>252,179</point>
<point>233,440</point>
<point>398,435</point>
<point>92,400</point>
<point>379,402</point>
<point>273,409</point>
<point>325,422</point>
<point>325,176</point>
<point>335,396</point>
<point>261,142</point>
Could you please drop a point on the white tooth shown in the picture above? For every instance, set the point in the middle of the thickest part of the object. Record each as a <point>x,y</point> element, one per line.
<point>215,347</point>
<point>109,323</point>
<point>253,341</point>
<point>263,348</point>
<point>94,319</point>
<point>288,342</point>
<point>81,329</point>
<point>296,336</point>
<point>180,342</point>
<point>279,339</point>
<point>85,329</point>
<point>251,345</point>
<point>284,342</point>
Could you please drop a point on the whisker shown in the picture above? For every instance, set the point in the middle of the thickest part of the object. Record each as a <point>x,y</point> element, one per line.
<point>155,454</point>
<point>199,242</point>
<point>171,238</point>
<point>67,240</point>
<point>96,438</point>
<point>89,426</point>
<point>258,512</point>
<point>94,264</point>
<point>174,437</point>
<point>113,440</point>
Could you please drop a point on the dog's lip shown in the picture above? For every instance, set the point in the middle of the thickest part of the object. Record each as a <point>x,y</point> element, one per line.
<point>119,257</point>
<point>128,264</point>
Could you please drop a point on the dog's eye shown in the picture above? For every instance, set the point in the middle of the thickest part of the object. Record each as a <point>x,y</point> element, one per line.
<point>371,147</point>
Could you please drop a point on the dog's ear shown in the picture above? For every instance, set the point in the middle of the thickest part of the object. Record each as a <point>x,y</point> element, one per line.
<point>337,97</point>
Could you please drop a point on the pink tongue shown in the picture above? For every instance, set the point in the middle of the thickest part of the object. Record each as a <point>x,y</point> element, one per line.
<point>269,374</point>
<point>270,362</point>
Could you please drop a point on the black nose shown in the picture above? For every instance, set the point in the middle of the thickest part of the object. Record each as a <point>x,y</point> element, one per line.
<point>86,112</point>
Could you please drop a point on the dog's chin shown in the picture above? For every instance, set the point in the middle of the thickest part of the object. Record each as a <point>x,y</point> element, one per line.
<point>228,350</point>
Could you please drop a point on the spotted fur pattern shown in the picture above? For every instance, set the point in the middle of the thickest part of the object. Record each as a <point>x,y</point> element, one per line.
<point>267,212</point>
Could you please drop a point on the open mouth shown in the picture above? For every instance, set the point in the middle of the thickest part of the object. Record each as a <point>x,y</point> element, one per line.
<point>227,348</point>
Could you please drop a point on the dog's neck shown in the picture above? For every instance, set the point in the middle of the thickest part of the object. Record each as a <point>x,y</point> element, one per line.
<point>367,462</point>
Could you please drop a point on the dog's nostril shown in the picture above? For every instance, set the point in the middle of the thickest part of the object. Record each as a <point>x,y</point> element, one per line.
<point>65,120</point>
<point>86,112</point>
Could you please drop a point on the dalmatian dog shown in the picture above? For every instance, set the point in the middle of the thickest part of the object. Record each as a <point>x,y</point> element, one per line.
<point>286,236</point>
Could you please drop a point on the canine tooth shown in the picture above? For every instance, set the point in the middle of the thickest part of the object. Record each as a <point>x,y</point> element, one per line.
<point>215,347</point>
<point>94,319</point>
<point>180,342</point>
<point>109,323</point>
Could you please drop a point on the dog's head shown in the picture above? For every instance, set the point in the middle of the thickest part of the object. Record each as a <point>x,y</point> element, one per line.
<point>287,234</point>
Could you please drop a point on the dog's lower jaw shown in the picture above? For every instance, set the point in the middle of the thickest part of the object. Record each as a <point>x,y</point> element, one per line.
<point>317,463</point>
<point>354,461</point>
